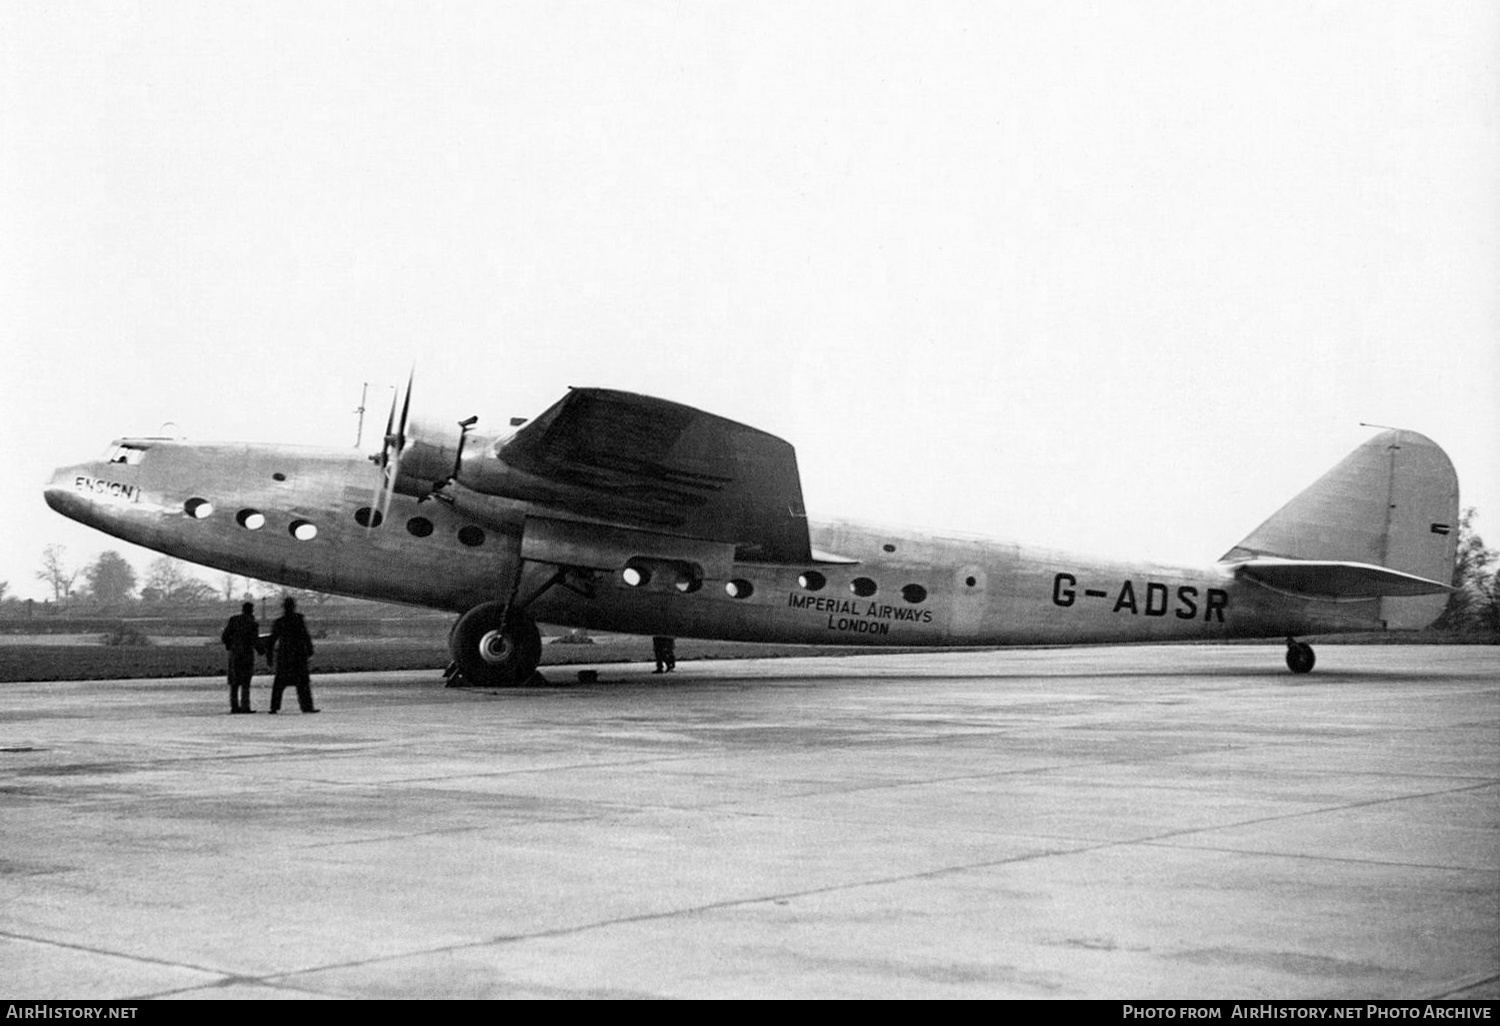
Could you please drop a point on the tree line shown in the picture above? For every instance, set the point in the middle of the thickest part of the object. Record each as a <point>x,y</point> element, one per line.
<point>110,582</point>
<point>1474,607</point>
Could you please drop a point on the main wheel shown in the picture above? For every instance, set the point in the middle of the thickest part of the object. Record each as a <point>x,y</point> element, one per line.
<point>1299,657</point>
<point>495,649</point>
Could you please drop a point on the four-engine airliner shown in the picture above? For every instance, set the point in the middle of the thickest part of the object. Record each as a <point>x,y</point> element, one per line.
<point>619,512</point>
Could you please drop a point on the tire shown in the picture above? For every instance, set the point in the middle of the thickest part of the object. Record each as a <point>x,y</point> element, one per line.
<point>493,649</point>
<point>1300,658</point>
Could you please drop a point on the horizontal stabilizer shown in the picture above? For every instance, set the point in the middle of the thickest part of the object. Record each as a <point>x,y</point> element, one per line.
<point>1336,578</point>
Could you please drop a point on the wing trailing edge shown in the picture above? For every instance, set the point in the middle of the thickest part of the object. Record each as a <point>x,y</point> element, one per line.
<point>1336,578</point>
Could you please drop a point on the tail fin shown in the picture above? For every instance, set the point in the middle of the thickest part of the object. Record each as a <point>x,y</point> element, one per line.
<point>1393,504</point>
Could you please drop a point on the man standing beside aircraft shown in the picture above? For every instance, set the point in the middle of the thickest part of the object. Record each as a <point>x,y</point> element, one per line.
<point>666,654</point>
<point>242,638</point>
<point>288,652</point>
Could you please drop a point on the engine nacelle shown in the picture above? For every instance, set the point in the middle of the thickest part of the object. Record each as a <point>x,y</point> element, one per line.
<point>430,455</point>
<point>482,470</point>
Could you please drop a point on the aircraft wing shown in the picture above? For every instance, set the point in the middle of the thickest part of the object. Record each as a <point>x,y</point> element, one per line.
<point>1336,578</point>
<point>668,468</point>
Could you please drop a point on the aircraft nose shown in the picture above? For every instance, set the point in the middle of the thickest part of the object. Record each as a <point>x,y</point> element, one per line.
<point>99,495</point>
<point>60,491</point>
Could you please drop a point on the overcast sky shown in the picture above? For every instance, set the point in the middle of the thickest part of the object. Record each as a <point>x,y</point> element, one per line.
<point>1119,277</point>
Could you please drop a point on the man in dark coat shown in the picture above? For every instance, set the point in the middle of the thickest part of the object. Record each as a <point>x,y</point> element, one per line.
<point>666,654</point>
<point>288,652</point>
<point>242,638</point>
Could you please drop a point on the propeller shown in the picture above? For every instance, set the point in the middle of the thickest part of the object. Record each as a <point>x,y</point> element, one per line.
<point>388,460</point>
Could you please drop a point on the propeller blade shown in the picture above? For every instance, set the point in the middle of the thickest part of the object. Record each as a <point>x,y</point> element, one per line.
<point>397,444</point>
<point>405,408</point>
<point>376,498</point>
<point>390,491</point>
<point>385,439</point>
<point>384,481</point>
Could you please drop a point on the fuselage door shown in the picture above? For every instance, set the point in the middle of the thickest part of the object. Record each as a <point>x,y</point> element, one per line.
<point>970,598</point>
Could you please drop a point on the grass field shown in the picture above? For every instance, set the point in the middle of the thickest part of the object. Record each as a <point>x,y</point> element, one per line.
<point>42,649</point>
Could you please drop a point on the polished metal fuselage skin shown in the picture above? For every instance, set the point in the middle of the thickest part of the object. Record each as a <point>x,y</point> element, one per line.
<point>885,587</point>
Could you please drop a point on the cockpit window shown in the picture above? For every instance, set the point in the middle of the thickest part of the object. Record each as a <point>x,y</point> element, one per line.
<point>130,455</point>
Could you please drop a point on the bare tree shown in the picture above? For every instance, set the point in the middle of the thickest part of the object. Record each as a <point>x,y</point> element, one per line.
<point>56,573</point>
<point>306,596</point>
<point>170,580</point>
<point>255,588</point>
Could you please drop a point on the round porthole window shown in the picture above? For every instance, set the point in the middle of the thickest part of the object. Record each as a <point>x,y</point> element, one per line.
<point>419,527</point>
<point>863,587</point>
<point>739,589</point>
<point>914,593</point>
<point>250,519</point>
<point>303,530</point>
<point>471,536</point>
<point>198,508</point>
<point>812,581</point>
<point>367,517</point>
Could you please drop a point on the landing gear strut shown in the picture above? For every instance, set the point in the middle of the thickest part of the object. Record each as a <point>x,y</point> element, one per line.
<point>1299,656</point>
<point>495,646</point>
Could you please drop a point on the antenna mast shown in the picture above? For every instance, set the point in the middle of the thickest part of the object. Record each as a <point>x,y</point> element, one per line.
<point>359,435</point>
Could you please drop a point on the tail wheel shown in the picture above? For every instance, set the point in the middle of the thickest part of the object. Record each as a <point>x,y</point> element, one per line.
<point>1299,657</point>
<point>495,648</point>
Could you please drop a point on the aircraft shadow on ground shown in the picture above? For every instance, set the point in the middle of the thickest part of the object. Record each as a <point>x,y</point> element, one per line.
<point>1269,674</point>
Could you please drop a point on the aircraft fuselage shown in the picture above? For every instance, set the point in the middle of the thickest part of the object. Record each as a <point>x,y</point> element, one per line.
<point>298,517</point>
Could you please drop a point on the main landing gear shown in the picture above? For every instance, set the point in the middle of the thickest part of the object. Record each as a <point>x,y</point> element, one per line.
<point>497,644</point>
<point>1299,656</point>
<point>494,646</point>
